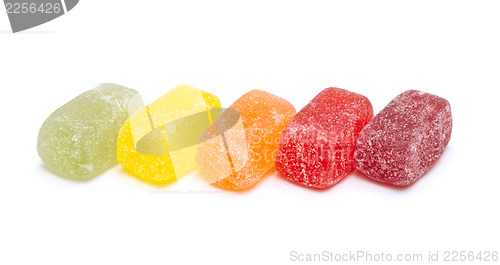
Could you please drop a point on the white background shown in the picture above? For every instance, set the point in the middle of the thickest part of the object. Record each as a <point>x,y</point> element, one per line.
<point>293,49</point>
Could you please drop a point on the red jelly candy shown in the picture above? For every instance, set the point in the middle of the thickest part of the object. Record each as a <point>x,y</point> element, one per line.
<point>316,148</point>
<point>405,139</point>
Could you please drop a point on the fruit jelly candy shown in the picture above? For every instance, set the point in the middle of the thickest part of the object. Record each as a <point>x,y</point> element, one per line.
<point>405,139</point>
<point>316,148</point>
<point>153,144</point>
<point>78,140</point>
<point>244,149</point>
<point>222,149</point>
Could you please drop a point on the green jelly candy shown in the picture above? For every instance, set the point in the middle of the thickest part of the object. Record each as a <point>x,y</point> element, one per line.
<point>78,140</point>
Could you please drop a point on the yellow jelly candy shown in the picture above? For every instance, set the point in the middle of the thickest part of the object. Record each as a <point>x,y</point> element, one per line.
<point>158,143</point>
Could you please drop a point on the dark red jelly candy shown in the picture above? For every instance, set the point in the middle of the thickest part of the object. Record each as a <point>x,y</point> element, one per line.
<point>316,148</point>
<point>405,139</point>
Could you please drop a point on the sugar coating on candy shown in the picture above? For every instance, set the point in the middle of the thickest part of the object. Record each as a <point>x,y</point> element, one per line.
<point>156,144</point>
<point>222,149</point>
<point>405,139</point>
<point>78,140</point>
<point>244,140</point>
<point>316,148</point>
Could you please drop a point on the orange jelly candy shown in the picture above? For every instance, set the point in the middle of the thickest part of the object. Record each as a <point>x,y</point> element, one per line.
<point>243,140</point>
